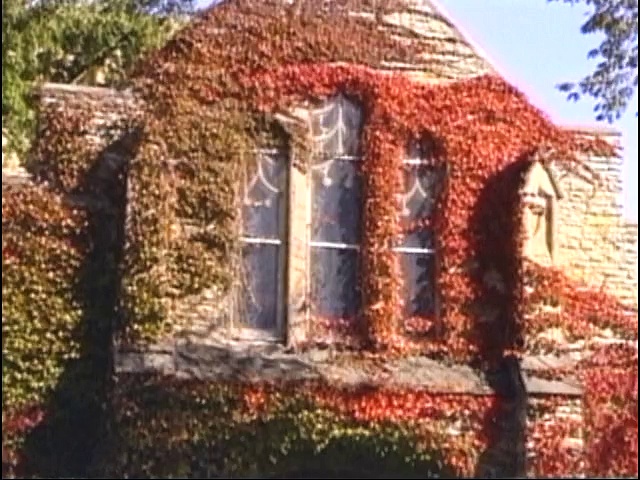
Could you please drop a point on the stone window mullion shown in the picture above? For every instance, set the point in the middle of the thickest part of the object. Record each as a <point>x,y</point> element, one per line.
<point>297,267</point>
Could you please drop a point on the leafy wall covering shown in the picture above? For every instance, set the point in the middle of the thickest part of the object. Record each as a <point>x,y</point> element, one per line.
<point>210,98</point>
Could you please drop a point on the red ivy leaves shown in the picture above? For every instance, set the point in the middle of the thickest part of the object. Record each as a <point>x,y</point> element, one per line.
<point>482,126</point>
<point>579,310</point>
<point>17,422</point>
<point>486,130</point>
<point>426,412</point>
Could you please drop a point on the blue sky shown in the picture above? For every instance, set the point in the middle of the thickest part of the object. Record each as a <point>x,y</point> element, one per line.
<point>537,45</point>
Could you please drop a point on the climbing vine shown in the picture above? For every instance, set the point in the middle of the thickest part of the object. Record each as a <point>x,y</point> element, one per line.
<point>311,426</point>
<point>44,243</point>
<point>483,126</point>
<point>213,96</point>
<point>608,373</point>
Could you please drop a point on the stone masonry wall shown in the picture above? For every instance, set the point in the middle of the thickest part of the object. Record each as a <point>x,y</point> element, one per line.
<point>566,416</point>
<point>105,104</point>
<point>447,54</point>
<point>595,244</point>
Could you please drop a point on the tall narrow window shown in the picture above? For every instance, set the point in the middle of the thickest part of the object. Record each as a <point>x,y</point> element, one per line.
<point>336,204</point>
<point>264,227</point>
<point>317,216</point>
<point>416,246</point>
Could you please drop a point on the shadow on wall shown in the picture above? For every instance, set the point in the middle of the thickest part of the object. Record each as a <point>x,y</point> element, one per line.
<point>77,413</point>
<point>506,424</point>
<point>497,262</point>
<point>496,220</point>
<point>80,417</point>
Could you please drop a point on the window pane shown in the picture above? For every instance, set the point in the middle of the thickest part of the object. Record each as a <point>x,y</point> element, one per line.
<point>263,232</point>
<point>263,196</point>
<point>259,305</point>
<point>419,238</point>
<point>420,189</point>
<point>416,151</point>
<point>418,271</point>
<point>336,214</point>
<point>422,185</point>
<point>336,128</point>
<point>335,292</point>
<point>336,202</point>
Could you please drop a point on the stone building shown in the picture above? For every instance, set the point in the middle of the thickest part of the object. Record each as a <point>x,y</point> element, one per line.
<point>301,269</point>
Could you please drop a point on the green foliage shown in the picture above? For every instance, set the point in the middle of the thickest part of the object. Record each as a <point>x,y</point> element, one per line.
<point>58,292</point>
<point>166,429</point>
<point>42,251</point>
<point>68,41</point>
<point>615,78</point>
<point>183,196</point>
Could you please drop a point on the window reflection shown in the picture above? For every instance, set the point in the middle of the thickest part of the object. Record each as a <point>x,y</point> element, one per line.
<point>262,224</point>
<point>336,210</point>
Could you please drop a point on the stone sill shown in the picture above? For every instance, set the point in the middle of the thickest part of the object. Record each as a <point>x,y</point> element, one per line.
<point>50,87</point>
<point>256,361</point>
<point>15,176</point>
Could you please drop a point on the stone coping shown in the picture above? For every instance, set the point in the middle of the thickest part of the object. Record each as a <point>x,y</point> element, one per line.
<point>592,129</point>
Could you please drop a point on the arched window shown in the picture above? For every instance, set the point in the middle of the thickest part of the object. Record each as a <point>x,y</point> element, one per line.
<point>336,210</point>
<point>302,231</point>
<point>417,244</point>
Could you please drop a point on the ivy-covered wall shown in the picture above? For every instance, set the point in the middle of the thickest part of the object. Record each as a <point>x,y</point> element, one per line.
<point>44,243</point>
<point>62,245</point>
<point>156,173</point>
<point>225,430</point>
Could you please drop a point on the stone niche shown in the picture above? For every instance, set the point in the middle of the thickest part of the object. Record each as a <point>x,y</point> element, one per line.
<point>540,195</point>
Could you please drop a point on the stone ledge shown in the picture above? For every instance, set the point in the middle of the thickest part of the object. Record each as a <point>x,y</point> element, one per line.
<point>12,177</point>
<point>539,386</point>
<point>252,362</point>
<point>593,130</point>
<point>66,88</point>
